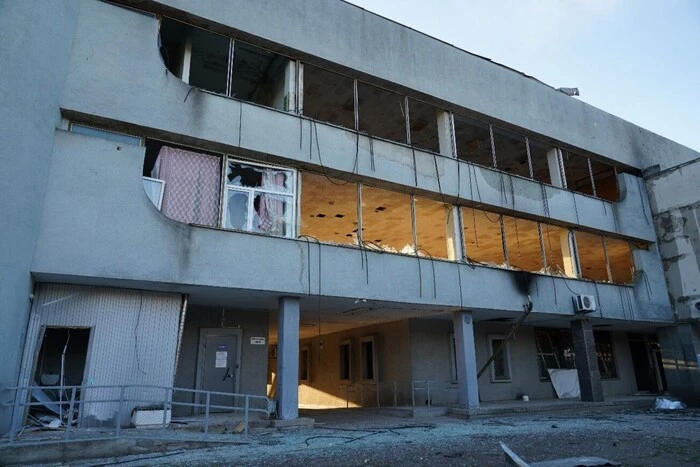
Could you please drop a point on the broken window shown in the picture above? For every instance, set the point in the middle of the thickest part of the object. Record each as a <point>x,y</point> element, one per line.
<point>620,259</point>
<point>605,354</point>
<point>555,350</point>
<point>329,97</point>
<point>576,172</point>
<point>233,68</point>
<point>538,156</point>
<point>591,256</point>
<point>433,228</point>
<point>500,367</point>
<point>483,237</point>
<point>344,361</point>
<point>328,209</point>
<point>556,242</point>
<point>259,199</point>
<point>605,180</point>
<point>473,141</point>
<point>381,113</point>
<point>523,244</point>
<point>369,358</point>
<point>154,189</point>
<point>423,123</point>
<point>386,220</point>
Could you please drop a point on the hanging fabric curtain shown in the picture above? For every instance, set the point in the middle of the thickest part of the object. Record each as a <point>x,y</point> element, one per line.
<point>271,208</point>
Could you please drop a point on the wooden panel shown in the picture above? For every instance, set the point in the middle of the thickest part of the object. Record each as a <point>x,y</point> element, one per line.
<point>482,236</point>
<point>591,256</point>
<point>386,219</point>
<point>620,257</point>
<point>523,243</point>
<point>431,227</point>
<point>328,209</point>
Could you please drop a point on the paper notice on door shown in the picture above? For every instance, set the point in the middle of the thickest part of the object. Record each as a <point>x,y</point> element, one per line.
<point>221,359</point>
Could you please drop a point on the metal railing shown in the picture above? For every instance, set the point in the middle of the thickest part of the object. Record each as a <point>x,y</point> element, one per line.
<point>112,406</point>
<point>398,393</point>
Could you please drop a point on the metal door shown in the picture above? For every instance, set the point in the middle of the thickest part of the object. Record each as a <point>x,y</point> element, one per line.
<point>219,366</point>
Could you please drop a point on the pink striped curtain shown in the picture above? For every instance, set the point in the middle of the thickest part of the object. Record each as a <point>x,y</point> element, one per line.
<point>192,185</point>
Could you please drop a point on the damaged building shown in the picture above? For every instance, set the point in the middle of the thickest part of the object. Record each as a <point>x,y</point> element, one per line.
<point>318,206</point>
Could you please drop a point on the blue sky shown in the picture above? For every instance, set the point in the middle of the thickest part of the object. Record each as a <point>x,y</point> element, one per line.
<point>637,59</point>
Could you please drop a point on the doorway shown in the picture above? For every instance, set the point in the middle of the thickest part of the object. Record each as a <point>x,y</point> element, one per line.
<point>218,367</point>
<point>646,360</point>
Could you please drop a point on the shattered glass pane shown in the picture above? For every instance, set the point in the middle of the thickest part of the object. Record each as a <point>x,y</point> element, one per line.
<point>238,174</point>
<point>236,215</point>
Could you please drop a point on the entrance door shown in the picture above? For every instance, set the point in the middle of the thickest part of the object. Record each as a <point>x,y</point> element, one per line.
<point>646,360</point>
<point>218,366</point>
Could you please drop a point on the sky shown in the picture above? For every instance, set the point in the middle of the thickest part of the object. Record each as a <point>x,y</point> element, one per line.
<point>637,59</point>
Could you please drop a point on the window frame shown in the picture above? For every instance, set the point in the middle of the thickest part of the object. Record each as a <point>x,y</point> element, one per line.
<point>292,203</point>
<point>614,374</point>
<point>506,357</point>
<point>161,192</point>
<point>363,359</point>
<point>304,363</point>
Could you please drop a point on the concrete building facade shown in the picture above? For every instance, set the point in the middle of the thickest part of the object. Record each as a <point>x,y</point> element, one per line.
<point>308,201</point>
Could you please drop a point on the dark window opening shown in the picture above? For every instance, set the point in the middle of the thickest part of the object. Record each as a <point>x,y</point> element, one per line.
<point>538,155</point>
<point>605,180</point>
<point>555,350</point>
<point>605,353</point>
<point>382,113</point>
<point>344,366</point>
<point>368,359</point>
<point>329,97</point>
<point>259,76</point>
<point>473,141</point>
<point>423,122</point>
<point>511,152</point>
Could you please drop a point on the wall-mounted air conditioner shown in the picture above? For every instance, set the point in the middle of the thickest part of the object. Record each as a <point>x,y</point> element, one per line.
<point>584,303</point>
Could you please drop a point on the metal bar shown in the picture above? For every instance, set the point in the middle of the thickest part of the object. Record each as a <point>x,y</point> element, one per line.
<point>428,394</point>
<point>71,405</point>
<point>529,157</point>
<point>394,393</point>
<point>15,416</point>
<point>356,104</point>
<point>183,314</point>
<point>528,309</point>
<point>407,120</point>
<point>493,146</point>
<point>119,409</point>
<point>245,417</point>
<point>413,394</point>
<point>590,174</point>
<point>206,414</point>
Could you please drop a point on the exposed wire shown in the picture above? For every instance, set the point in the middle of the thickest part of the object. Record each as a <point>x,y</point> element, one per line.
<point>192,88</point>
<point>432,264</point>
<point>415,166</point>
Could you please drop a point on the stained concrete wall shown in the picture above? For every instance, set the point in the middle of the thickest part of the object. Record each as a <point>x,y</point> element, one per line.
<point>344,34</point>
<point>253,370</point>
<point>325,389</point>
<point>36,42</point>
<point>675,200</point>
<point>680,352</point>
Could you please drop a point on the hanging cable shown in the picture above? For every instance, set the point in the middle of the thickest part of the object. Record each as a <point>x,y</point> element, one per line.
<point>432,264</point>
<point>240,123</point>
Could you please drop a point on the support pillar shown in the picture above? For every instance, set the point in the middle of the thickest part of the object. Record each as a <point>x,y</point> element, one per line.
<point>290,86</point>
<point>568,254</point>
<point>288,358</point>
<point>556,168</point>
<point>466,359</point>
<point>586,360</point>
<point>680,352</point>
<point>446,134</point>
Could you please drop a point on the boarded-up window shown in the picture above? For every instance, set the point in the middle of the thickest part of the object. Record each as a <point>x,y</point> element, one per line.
<point>591,256</point>
<point>482,236</point>
<point>523,243</point>
<point>386,220</point>
<point>328,209</point>
<point>432,228</point>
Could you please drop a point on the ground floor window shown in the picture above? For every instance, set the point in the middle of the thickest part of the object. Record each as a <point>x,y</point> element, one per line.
<point>555,349</point>
<point>344,367</point>
<point>606,357</point>
<point>500,367</point>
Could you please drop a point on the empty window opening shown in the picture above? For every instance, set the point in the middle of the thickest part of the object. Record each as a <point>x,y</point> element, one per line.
<point>386,220</point>
<point>555,241</point>
<point>591,256</point>
<point>381,113</point>
<point>433,228</point>
<point>620,258</point>
<point>605,354</point>
<point>523,244</point>
<point>329,97</point>
<point>482,237</point>
<point>344,361</point>
<point>605,180</point>
<point>577,174</point>
<point>61,362</point>
<point>555,350</point>
<point>473,141</point>
<point>261,77</point>
<point>259,199</point>
<point>191,182</point>
<point>500,367</point>
<point>328,209</point>
<point>369,358</point>
<point>538,156</point>
<point>511,152</point>
<point>219,64</point>
<point>304,353</point>
<point>423,123</point>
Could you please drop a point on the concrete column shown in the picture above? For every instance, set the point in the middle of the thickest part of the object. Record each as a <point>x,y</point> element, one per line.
<point>446,133</point>
<point>556,168</point>
<point>290,86</point>
<point>680,351</point>
<point>568,253</point>
<point>453,229</point>
<point>586,360</point>
<point>466,359</point>
<point>288,358</point>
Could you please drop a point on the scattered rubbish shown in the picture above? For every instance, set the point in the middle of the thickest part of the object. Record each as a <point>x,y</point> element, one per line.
<point>48,421</point>
<point>511,458</point>
<point>667,404</point>
<point>239,428</point>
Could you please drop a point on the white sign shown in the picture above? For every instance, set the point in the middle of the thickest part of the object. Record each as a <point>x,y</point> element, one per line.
<point>221,359</point>
<point>257,341</point>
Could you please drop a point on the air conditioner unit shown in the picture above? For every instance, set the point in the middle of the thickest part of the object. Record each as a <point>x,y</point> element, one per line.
<point>584,303</point>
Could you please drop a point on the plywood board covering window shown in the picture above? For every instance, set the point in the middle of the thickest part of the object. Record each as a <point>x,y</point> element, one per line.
<point>432,228</point>
<point>591,256</point>
<point>386,220</point>
<point>328,209</point>
<point>620,257</point>
<point>523,243</point>
<point>552,238</point>
<point>482,236</point>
